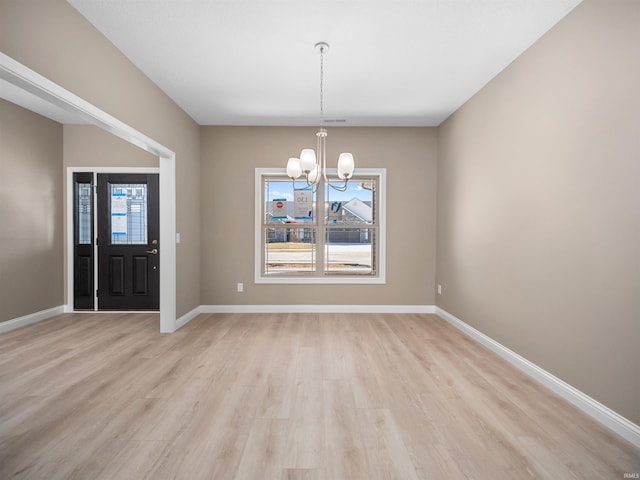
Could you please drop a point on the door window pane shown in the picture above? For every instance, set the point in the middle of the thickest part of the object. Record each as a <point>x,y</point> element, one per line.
<point>84,194</point>
<point>128,203</point>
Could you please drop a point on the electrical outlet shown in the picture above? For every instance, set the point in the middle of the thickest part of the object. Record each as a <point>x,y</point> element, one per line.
<point>439,289</point>
<point>240,287</point>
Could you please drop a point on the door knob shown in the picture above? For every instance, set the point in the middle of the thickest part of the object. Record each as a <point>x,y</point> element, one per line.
<point>153,252</point>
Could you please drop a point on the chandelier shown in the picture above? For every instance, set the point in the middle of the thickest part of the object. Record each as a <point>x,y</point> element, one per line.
<point>313,164</point>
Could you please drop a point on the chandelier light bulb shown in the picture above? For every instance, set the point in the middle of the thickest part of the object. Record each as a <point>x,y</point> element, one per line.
<point>294,170</point>
<point>314,175</point>
<point>346,166</point>
<point>307,160</point>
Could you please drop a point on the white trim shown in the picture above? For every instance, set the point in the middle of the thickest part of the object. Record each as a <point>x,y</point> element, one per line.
<point>168,262</point>
<point>332,280</point>
<point>317,309</point>
<point>31,318</point>
<point>187,317</point>
<point>257,220</point>
<point>142,170</point>
<point>23,77</point>
<point>607,417</point>
<point>380,278</point>
<point>69,240</point>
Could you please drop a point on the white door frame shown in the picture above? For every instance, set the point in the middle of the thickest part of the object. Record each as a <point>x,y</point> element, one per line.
<point>32,82</point>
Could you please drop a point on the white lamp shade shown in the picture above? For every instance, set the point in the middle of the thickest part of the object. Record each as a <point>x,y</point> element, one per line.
<point>314,175</point>
<point>346,166</point>
<point>307,160</point>
<point>294,170</point>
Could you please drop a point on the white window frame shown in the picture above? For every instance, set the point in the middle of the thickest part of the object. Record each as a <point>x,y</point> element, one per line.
<point>379,278</point>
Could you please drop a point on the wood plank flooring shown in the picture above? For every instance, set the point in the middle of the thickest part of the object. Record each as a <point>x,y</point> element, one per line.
<point>283,396</point>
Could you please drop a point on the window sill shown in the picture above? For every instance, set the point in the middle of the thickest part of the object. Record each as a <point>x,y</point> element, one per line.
<point>330,280</point>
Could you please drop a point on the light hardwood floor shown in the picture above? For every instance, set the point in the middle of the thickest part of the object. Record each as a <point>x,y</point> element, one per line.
<point>283,396</point>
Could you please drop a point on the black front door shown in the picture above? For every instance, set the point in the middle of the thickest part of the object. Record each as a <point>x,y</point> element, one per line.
<point>128,242</point>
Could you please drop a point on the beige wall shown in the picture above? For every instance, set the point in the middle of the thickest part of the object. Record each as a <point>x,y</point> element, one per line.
<point>52,38</point>
<point>31,227</point>
<point>229,158</point>
<point>90,146</point>
<point>539,205</point>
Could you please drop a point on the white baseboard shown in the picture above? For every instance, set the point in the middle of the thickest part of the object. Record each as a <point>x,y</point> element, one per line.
<point>31,318</point>
<point>187,317</point>
<point>607,417</point>
<point>318,309</point>
<point>303,309</point>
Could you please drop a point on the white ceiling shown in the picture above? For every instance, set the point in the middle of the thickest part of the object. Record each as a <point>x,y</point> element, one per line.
<point>253,62</point>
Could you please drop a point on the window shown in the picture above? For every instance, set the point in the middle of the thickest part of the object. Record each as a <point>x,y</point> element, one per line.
<point>321,236</point>
<point>128,213</point>
<point>84,202</point>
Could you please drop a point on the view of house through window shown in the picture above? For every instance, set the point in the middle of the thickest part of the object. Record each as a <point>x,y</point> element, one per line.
<point>320,232</point>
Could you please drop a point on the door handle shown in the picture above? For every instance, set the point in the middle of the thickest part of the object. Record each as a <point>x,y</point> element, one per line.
<point>153,252</point>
